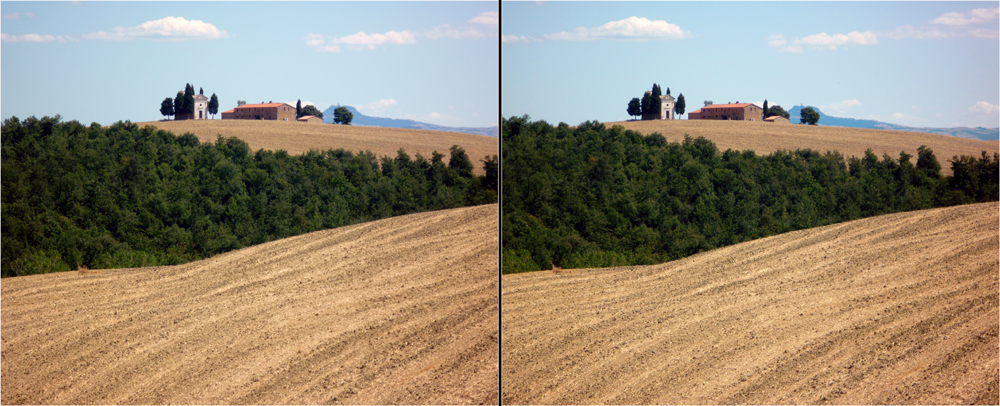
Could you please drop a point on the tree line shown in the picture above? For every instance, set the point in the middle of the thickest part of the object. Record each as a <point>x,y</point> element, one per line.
<point>593,196</point>
<point>125,196</point>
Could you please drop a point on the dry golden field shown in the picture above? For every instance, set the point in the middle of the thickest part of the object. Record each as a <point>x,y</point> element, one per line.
<point>766,138</point>
<point>397,311</point>
<point>895,309</point>
<point>298,138</point>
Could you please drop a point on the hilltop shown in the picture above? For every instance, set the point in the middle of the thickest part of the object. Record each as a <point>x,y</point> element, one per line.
<point>978,133</point>
<point>298,138</point>
<point>397,311</point>
<point>895,309</point>
<point>765,138</point>
<point>361,119</point>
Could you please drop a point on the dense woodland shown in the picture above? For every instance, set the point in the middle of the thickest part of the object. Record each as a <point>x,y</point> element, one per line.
<point>78,196</point>
<point>593,196</point>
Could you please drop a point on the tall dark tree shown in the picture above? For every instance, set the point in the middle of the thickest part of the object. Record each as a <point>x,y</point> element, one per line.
<point>298,109</point>
<point>201,91</point>
<point>680,105</point>
<point>646,105</point>
<point>189,100</point>
<point>179,105</point>
<point>655,104</point>
<point>765,109</point>
<point>213,105</point>
<point>668,91</point>
<point>167,107</point>
<point>808,116</point>
<point>634,107</point>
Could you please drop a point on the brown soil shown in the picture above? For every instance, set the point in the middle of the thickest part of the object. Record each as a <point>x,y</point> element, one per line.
<point>765,138</point>
<point>402,310</point>
<point>299,138</point>
<point>896,309</point>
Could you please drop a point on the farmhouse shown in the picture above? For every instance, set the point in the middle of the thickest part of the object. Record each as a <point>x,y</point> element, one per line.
<point>731,111</point>
<point>200,109</point>
<point>777,119</point>
<point>310,119</point>
<point>666,108</point>
<point>262,111</point>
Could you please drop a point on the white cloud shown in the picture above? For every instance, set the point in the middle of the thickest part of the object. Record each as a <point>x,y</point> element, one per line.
<point>359,41</point>
<point>447,31</point>
<point>17,16</point>
<point>841,107</point>
<point>377,107</point>
<point>514,39</point>
<point>821,41</point>
<point>984,109</point>
<point>4,37</point>
<point>487,17</point>
<point>630,29</point>
<point>977,16</point>
<point>170,28</point>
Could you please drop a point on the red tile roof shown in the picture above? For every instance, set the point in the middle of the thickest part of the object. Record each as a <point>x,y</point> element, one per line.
<point>229,111</point>
<point>695,112</point>
<point>260,105</point>
<point>722,106</point>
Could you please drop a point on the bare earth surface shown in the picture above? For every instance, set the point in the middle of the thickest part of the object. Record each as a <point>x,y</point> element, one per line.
<point>399,311</point>
<point>765,138</point>
<point>896,309</point>
<point>298,138</point>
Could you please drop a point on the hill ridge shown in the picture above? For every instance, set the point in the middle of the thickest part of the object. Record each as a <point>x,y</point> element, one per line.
<point>900,308</point>
<point>396,311</point>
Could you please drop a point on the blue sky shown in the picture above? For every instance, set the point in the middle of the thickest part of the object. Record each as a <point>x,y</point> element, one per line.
<point>436,62</point>
<point>923,64</point>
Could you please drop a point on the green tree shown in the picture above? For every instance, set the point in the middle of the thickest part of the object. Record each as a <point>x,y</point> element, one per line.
<point>311,110</point>
<point>179,105</point>
<point>189,100</point>
<point>460,161</point>
<point>708,103</point>
<point>213,105</point>
<point>342,116</point>
<point>201,91</point>
<point>765,109</point>
<point>298,109</point>
<point>776,110</point>
<point>167,107</point>
<point>240,102</point>
<point>655,104</point>
<point>680,105</point>
<point>646,105</point>
<point>809,116</point>
<point>927,162</point>
<point>634,107</point>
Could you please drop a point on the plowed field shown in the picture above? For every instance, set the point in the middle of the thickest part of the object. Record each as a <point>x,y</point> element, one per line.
<point>401,310</point>
<point>299,138</point>
<point>765,138</point>
<point>896,309</point>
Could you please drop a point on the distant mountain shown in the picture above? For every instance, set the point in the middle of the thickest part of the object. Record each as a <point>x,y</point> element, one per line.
<point>361,119</point>
<point>978,133</point>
